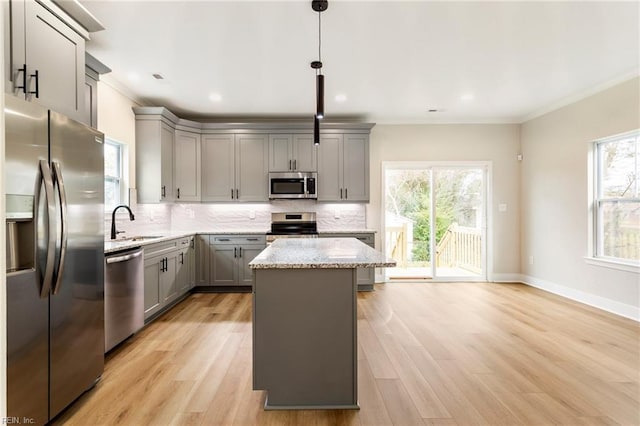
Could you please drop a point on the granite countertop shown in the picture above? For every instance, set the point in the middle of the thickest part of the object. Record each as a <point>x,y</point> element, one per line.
<point>314,253</point>
<point>112,246</point>
<point>346,231</point>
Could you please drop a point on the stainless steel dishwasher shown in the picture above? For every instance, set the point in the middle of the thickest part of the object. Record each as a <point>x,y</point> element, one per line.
<point>123,295</point>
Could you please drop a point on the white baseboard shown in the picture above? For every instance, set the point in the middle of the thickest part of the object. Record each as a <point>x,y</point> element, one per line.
<point>506,278</point>
<point>618,308</point>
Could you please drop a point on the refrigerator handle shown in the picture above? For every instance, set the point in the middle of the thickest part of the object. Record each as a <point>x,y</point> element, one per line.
<point>62,196</point>
<point>44,178</point>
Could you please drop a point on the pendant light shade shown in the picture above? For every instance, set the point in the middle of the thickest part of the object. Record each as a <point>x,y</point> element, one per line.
<point>316,130</point>
<point>320,96</point>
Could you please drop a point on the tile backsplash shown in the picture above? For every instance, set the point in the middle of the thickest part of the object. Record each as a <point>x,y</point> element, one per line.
<point>159,218</point>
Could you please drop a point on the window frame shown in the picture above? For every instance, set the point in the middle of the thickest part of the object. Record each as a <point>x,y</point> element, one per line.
<point>121,179</point>
<point>597,255</point>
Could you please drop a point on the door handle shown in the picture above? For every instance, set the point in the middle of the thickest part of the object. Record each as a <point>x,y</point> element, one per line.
<point>37,91</point>
<point>44,178</point>
<point>62,196</point>
<point>23,70</point>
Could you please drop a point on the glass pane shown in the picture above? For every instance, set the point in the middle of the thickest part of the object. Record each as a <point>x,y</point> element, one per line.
<point>111,194</point>
<point>408,222</point>
<point>618,165</point>
<point>459,221</point>
<point>620,231</point>
<point>112,160</point>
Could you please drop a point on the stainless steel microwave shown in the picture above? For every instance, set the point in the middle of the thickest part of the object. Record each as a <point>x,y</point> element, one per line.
<point>293,185</point>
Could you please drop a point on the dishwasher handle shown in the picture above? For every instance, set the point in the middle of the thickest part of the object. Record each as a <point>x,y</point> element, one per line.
<point>118,259</point>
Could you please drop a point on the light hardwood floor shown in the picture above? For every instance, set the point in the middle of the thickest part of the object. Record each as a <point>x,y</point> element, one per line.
<point>429,354</point>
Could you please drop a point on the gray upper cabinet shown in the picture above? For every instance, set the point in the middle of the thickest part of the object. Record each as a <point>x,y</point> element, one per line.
<point>93,69</point>
<point>218,167</point>
<point>292,152</point>
<point>154,160</point>
<point>251,167</point>
<point>343,167</point>
<point>47,63</point>
<point>234,167</point>
<point>187,166</point>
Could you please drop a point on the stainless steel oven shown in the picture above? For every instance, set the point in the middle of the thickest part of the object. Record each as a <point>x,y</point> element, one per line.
<point>292,225</point>
<point>293,185</point>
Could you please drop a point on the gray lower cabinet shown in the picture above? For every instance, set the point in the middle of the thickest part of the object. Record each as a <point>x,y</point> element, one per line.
<point>46,57</point>
<point>167,273</point>
<point>366,277</point>
<point>229,257</point>
<point>202,260</point>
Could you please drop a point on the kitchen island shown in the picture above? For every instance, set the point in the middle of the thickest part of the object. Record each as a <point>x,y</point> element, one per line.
<point>305,323</point>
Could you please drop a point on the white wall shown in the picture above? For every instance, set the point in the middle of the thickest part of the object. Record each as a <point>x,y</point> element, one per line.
<point>555,194</point>
<point>497,143</point>
<point>117,120</point>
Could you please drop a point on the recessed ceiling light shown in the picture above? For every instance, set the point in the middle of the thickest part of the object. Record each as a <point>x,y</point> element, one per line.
<point>215,97</point>
<point>467,97</point>
<point>341,97</point>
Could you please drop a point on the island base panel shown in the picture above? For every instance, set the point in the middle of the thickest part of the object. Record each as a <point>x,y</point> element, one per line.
<point>305,352</point>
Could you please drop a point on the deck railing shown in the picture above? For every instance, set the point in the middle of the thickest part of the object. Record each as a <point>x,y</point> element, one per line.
<point>460,247</point>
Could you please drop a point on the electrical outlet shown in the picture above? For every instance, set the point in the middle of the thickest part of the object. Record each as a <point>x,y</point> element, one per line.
<point>252,214</point>
<point>530,260</point>
<point>336,214</point>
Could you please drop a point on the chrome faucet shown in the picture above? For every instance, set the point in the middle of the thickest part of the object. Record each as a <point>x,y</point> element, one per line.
<point>113,220</point>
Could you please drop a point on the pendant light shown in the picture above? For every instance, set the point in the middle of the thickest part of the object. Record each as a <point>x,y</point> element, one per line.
<point>318,6</point>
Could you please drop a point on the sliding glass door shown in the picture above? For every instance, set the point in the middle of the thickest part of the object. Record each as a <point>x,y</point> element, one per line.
<point>435,220</point>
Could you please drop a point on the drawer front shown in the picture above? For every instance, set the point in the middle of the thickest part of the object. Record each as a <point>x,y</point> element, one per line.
<point>160,248</point>
<point>236,239</point>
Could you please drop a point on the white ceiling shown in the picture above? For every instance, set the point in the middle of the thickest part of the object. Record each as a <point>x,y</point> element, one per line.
<point>393,60</point>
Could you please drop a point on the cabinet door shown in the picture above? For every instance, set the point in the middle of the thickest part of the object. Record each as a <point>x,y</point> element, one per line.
<point>246,254</point>
<point>167,135</point>
<point>191,256</point>
<point>168,285</point>
<point>182,272</point>
<point>330,168</point>
<point>187,166</point>
<point>57,52</point>
<point>252,154</point>
<point>90,116</point>
<point>280,155</point>
<point>152,274</point>
<point>356,167</point>
<point>304,153</point>
<point>222,261</point>
<point>218,167</point>
<point>202,260</point>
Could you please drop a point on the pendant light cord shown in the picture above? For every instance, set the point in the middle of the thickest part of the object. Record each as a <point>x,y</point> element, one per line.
<point>319,40</point>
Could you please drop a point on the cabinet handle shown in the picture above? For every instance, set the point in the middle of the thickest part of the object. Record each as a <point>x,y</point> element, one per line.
<point>252,239</point>
<point>232,193</point>
<point>223,239</point>
<point>341,193</point>
<point>164,191</point>
<point>295,164</point>
<point>346,193</point>
<point>178,192</point>
<point>182,258</point>
<point>235,254</point>
<point>237,194</point>
<point>290,165</point>
<point>193,243</point>
<point>23,70</point>
<point>37,91</point>
<point>240,249</point>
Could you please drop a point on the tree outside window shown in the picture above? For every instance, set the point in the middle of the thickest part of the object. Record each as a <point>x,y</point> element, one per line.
<point>617,199</point>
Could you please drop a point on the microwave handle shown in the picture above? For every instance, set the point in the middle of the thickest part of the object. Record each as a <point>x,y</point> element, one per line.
<point>306,191</point>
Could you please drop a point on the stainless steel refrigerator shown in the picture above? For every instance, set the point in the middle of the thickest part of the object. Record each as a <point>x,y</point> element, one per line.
<point>55,255</point>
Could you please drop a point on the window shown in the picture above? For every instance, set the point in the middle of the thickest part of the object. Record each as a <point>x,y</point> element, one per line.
<point>617,198</point>
<point>113,176</point>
